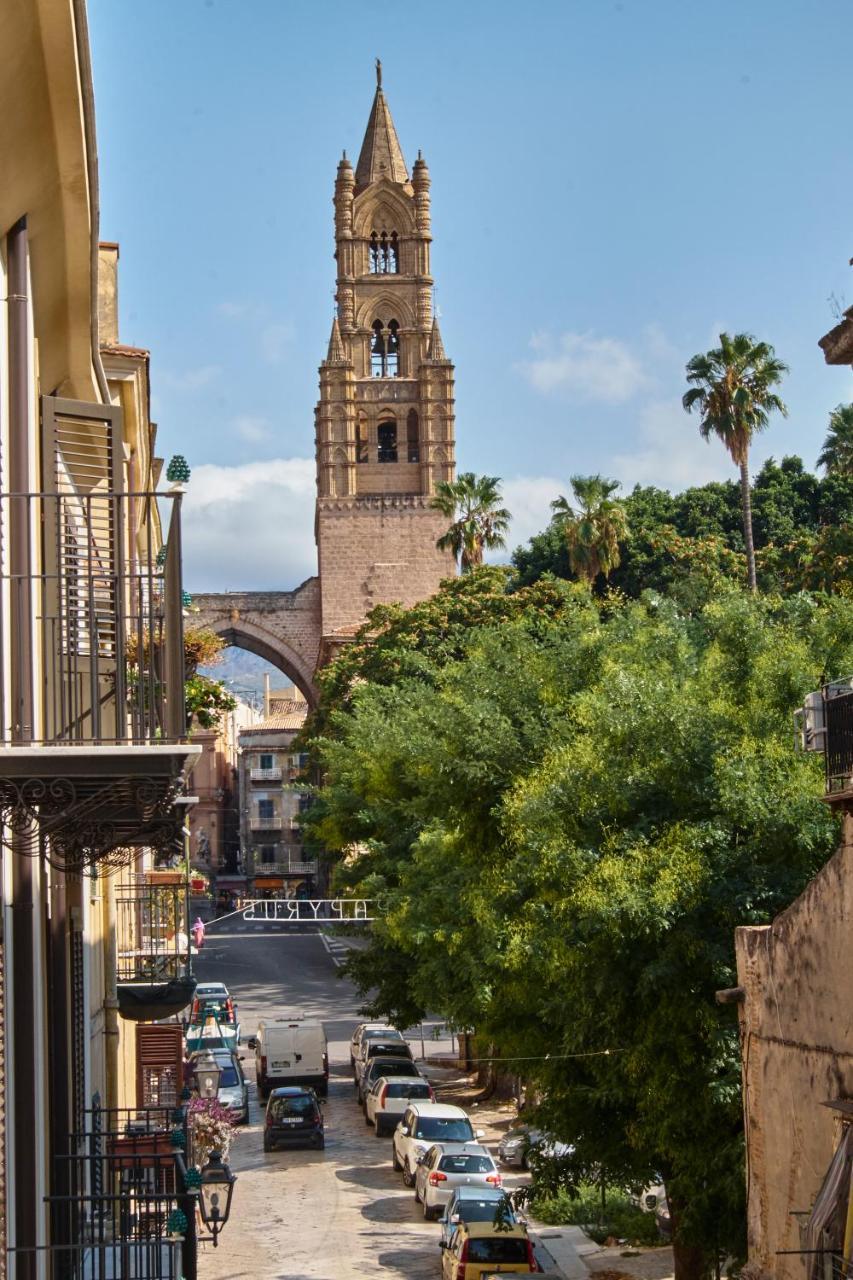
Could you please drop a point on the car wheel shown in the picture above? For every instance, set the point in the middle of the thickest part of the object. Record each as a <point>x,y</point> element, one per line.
<point>395,1160</point>
<point>417,1191</point>
<point>379,1129</point>
<point>408,1176</point>
<point>431,1213</point>
<point>525,1163</point>
<point>321,1143</point>
<point>366,1118</point>
<point>267,1144</point>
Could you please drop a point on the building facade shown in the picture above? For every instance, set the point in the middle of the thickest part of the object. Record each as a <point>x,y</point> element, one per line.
<point>93,752</point>
<point>274,795</point>
<point>214,820</point>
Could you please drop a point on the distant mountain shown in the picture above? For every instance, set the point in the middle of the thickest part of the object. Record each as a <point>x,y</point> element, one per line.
<point>243,672</point>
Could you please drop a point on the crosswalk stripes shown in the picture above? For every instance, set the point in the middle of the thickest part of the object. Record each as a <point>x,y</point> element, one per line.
<point>338,948</point>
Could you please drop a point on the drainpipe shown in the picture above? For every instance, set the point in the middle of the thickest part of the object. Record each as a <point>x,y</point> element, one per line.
<point>111,1027</point>
<point>23,967</point>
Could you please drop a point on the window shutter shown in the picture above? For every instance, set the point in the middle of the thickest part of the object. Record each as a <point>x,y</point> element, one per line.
<point>159,1064</point>
<point>85,568</point>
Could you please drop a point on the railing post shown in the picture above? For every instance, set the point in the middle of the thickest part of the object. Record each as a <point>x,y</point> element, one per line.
<point>176,716</point>
<point>187,1202</point>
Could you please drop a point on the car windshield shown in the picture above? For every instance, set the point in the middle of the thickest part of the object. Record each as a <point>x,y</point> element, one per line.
<point>466,1164</point>
<point>300,1105</point>
<point>497,1249</point>
<point>229,1078</point>
<point>388,1050</point>
<point>443,1129</point>
<point>381,1033</point>
<point>393,1069</point>
<point>483,1210</point>
<point>403,1089</point>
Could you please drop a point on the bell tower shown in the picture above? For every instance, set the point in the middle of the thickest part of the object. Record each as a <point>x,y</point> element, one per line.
<point>384,423</point>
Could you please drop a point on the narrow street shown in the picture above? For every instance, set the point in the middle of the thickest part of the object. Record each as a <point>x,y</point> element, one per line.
<point>327,1215</point>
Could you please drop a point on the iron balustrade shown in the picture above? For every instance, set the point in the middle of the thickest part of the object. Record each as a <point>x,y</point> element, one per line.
<point>838,720</point>
<point>108,613</point>
<point>152,932</point>
<point>114,1196</point>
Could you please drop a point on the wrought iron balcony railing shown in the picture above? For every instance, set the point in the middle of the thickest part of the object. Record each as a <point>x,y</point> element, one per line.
<point>284,868</point>
<point>153,973</point>
<point>119,1204</point>
<point>108,636</point>
<point>825,723</point>
<point>265,775</point>
<point>260,822</point>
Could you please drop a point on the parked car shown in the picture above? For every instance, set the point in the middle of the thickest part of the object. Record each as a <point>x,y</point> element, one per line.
<point>423,1124</point>
<point>211,991</point>
<point>653,1200</point>
<point>211,1034</point>
<point>477,1249</point>
<point>211,999</point>
<point>476,1204</point>
<point>449,1165</point>
<point>371,1049</point>
<point>370,1031</point>
<point>293,1116</point>
<point>388,1098</point>
<point>516,1146</point>
<point>233,1091</point>
<point>381,1068</point>
<point>290,1050</point>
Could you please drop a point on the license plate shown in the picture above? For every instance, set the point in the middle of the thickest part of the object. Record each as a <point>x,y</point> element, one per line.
<point>290,1120</point>
<point>280,1065</point>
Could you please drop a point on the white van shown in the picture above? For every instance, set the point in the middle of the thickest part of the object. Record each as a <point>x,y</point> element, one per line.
<point>290,1050</point>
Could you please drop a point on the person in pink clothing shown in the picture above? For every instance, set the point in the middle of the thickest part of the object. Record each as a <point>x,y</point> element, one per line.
<point>198,933</point>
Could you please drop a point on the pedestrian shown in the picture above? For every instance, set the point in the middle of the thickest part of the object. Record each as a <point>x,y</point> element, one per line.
<point>198,933</point>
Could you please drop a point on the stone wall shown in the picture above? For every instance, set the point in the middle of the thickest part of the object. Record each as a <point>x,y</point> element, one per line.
<point>797,1043</point>
<point>376,551</point>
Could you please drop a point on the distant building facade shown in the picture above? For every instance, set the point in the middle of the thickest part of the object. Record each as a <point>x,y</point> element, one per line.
<point>272,802</point>
<point>214,834</point>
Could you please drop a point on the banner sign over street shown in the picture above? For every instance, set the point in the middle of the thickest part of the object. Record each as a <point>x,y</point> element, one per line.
<point>307,910</point>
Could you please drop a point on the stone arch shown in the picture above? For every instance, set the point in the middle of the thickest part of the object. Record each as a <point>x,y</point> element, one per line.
<point>384,205</point>
<point>248,635</point>
<point>384,306</point>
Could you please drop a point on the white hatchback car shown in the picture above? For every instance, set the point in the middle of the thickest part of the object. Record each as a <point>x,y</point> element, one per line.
<point>422,1125</point>
<point>448,1166</point>
<point>370,1031</point>
<point>387,1099</point>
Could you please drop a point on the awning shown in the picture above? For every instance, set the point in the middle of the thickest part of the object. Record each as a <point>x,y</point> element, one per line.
<point>269,882</point>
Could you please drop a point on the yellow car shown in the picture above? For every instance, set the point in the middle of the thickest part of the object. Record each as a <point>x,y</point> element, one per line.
<point>477,1249</point>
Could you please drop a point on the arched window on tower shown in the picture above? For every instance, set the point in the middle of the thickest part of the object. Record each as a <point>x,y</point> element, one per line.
<point>413,445</point>
<point>384,254</point>
<point>386,434</point>
<point>361,447</point>
<point>339,474</point>
<point>441,470</point>
<point>385,350</point>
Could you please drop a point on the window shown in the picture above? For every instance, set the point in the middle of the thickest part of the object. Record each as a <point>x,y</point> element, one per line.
<point>339,474</point>
<point>439,1129</point>
<point>385,350</point>
<point>406,1089</point>
<point>361,437</point>
<point>413,448</point>
<point>466,1164</point>
<point>267,853</point>
<point>266,810</point>
<point>387,436</point>
<point>494,1249</point>
<point>384,254</point>
<point>267,761</point>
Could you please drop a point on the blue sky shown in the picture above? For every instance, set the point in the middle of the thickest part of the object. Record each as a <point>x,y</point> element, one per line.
<point>613,184</point>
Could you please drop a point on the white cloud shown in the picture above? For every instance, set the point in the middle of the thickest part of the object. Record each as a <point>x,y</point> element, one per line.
<point>251,526</point>
<point>190,379</point>
<point>529,500</point>
<point>670,453</point>
<point>234,310</point>
<point>276,339</point>
<point>253,429</point>
<point>586,367</point>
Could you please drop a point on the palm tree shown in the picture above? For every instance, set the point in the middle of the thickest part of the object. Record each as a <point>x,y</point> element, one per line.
<point>837,453</point>
<point>734,393</point>
<point>478,522</point>
<point>594,530</point>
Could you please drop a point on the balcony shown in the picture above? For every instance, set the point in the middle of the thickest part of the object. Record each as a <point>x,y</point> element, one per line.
<point>285,868</point>
<point>99,628</point>
<point>152,946</point>
<point>265,775</point>
<point>259,823</point>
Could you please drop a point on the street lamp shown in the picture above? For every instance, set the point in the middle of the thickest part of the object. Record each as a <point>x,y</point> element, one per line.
<point>208,1076</point>
<point>216,1190</point>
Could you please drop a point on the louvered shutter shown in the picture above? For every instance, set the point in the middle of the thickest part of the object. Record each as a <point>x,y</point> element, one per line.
<point>159,1064</point>
<point>84,570</point>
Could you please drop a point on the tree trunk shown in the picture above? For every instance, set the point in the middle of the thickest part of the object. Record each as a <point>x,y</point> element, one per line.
<point>689,1262</point>
<point>746,503</point>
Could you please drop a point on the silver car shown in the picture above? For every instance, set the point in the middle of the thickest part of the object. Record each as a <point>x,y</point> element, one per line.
<point>449,1165</point>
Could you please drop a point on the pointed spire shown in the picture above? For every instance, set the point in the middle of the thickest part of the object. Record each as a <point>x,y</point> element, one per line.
<point>336,355</point>
<point>381,155</point>
<point>435,350</point>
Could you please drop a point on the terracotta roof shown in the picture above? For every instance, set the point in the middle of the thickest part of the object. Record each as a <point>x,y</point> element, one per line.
<point>837,345</point>
<point>381,155</point>
<point>288,715</point>
<point>119,349</point>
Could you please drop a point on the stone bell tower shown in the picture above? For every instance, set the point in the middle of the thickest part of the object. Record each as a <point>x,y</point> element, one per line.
<point>385,420</point>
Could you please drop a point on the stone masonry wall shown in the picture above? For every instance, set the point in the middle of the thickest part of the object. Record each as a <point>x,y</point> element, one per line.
<point>376,551</point>
<point>797,1043</point>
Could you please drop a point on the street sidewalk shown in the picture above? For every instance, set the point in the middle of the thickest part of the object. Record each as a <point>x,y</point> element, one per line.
<point>564,1247</point>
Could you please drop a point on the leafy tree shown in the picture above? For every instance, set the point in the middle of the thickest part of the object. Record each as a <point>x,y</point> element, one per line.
<point>837,452</point>
<point>563,812</point>
<point>479,523</point>
<point>594,530</point>
<point>733,391</point>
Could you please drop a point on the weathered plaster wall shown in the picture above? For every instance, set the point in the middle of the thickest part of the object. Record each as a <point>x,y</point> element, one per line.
<point>797,1041</point>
